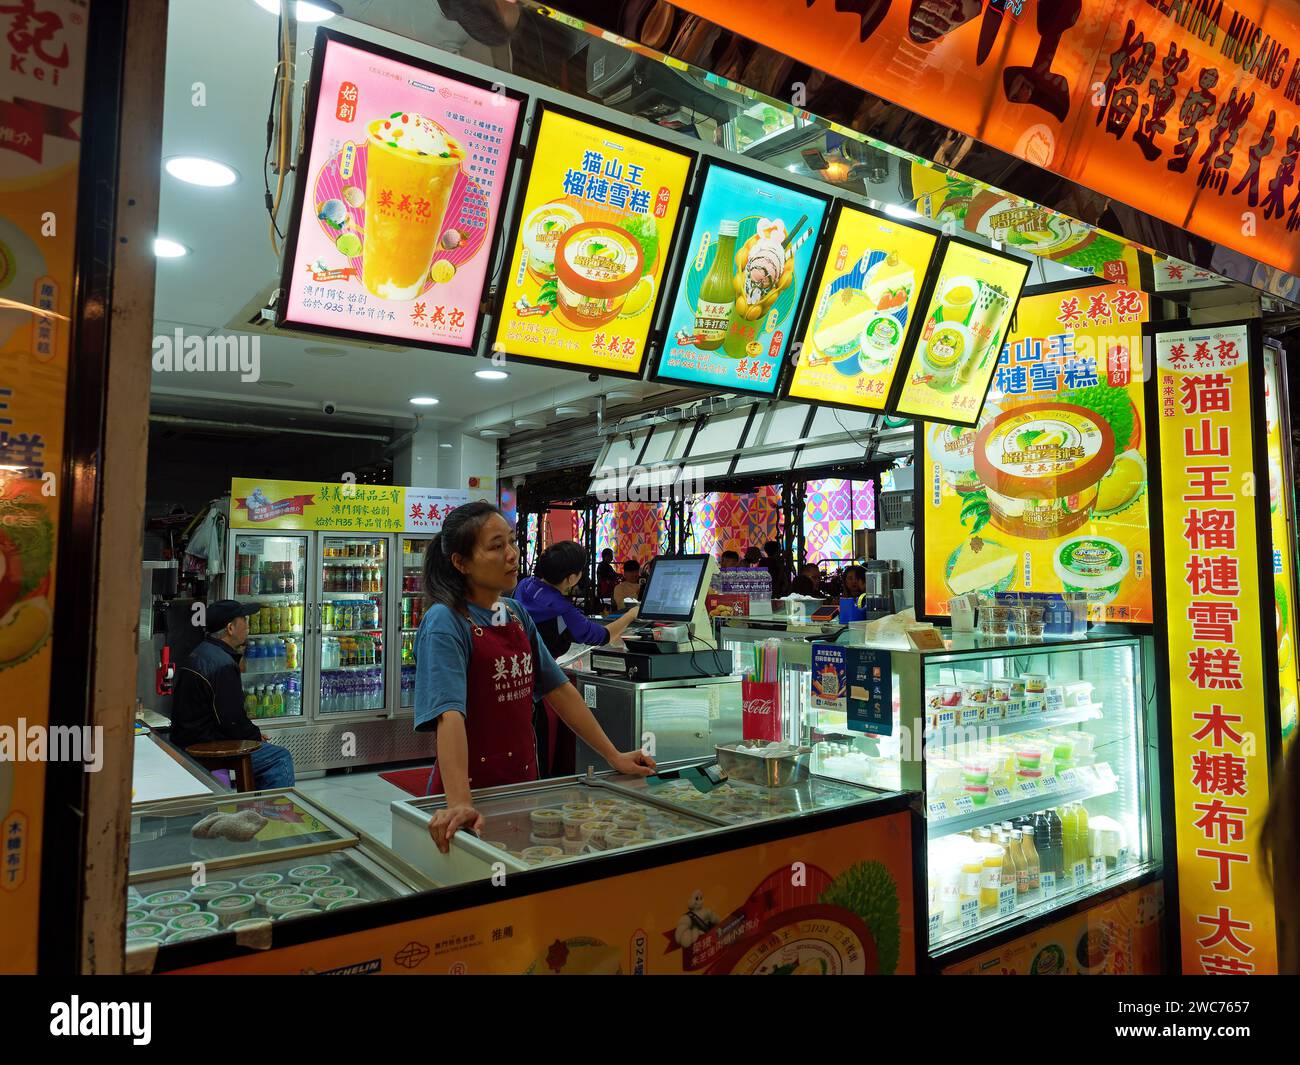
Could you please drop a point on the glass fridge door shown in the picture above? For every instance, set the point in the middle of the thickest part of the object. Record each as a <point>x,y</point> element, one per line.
<point>412,609</point>
<point>353,594</point>
<point>271,570</point>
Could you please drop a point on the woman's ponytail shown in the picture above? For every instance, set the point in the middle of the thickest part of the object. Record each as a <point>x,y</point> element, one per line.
<point>443,582</point>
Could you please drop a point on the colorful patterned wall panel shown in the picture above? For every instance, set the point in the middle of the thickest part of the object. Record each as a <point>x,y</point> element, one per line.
<point>831,512</point>
<point>630,530</point>
<point>730,521</point>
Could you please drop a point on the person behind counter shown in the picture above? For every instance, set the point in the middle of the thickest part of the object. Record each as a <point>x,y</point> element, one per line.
<point>753,557</point>
<point>779,567</point>
<point>479,666</point>
<point>606,576</point>
<point>208,704</point>
<point>809,581</point>
<point>630,586</point>
<point>730,559</point>
<point>560,624</point>
<point>853,582</point>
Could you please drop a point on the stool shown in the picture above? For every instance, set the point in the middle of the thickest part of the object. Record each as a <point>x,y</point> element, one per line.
<point>234,756</point>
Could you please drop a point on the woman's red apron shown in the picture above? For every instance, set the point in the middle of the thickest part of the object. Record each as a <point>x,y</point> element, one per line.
<point>498,708</point>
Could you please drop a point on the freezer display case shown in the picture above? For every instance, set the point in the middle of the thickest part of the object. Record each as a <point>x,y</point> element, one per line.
<point>352,594</point>
<point>264,856</point>
<point>577,818</point>
<point>1041,785</point>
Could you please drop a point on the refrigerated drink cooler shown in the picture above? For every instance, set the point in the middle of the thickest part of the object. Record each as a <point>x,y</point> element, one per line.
<point>329,667</point>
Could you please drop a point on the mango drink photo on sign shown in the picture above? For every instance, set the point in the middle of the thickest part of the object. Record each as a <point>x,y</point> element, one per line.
<point>1048,492</point>
<point>596,229</point>
<point>747,264</point>
<point>971,302</point>
<point>866,303</point>
<point>398,199</point>
<point>1281,506</point>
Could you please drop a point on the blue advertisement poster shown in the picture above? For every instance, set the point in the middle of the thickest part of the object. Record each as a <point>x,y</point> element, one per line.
<point>751,249</point>
<point>871,691</point>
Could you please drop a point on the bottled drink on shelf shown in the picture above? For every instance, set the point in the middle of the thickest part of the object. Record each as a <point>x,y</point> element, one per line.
<point>255,580</point>
<point>991,877</point>
<point>250,701</point>
<point>1083,835</point>
<point>290,653</point>
<point>1010,872</point>
<point>1070,835</point>
<point>281,654</point>
<point>292,698</point>
<point>377,650</point>
<point>1032,860</point>
<point>1022,866</point>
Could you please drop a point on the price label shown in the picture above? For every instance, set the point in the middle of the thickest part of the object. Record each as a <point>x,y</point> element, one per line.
<point>1007,900</point>
<point>1080,874</point>
<point>1069,778</point>
<point>946,719</point>
<point>1002,794</point>
<point>1029,787</point>
<point>965,805</point>
<point>1047,882</point>
<point>1121,861</point>
<point>970,914</point>
<point>938,810</point>
<point>1050,783</point>
<point>1099,868</point>
<point>936,920</point>
<point>993,712</point>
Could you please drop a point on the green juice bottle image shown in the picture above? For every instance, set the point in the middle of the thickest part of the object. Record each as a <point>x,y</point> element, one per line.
<point>717,296</point>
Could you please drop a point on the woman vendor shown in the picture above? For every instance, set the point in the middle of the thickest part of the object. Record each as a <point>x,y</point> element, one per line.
<point>560,624</point>
<point>479,667</point>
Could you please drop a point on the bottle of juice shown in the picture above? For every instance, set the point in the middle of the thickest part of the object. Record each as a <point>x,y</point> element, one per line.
<point>1055,833</point>
<point>991,877</point>
<point>1022,866</point>
<point>250,702</point>
<point>1070,833</point>
<point>1084,836</point>
<point>1032,861</point>
<point>1010,872</point>
<point>972,869</point>
<point>717,298</point>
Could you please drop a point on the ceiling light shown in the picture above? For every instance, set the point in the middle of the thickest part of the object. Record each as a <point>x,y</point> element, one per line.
<point>894,211</point>
<point>424,401</point>
<point>195,170</point>
<point>571,410</point>
<point>445,445</point>
<point>491,375</point>
<point>168,249</point>
<point>494,434</point>
<point>305,10</point>
<point>620,395</point>
<point>530,423</point>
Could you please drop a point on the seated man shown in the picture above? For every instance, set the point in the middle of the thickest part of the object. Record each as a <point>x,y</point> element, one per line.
<point>630,586</point>
<point>209,701</point>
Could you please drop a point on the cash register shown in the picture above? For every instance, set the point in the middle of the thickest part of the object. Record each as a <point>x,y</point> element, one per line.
<point>673,634</point>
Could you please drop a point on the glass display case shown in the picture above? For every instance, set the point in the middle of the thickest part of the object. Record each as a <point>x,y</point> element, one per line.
<point>271,570</point>
<point>263,856</point>
<point>576,818</point>
<point>1040,777</point>
<point>412,611</point>
<point>352,594</point>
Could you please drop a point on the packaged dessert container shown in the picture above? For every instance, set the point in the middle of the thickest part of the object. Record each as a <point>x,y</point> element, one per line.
<point>1035,683</point>
<point>254,884</point>
<point>994,619</point>
<point>205,923</point>
<point>326,895</point>
<point>266,894</point>
<point>233,907</point>
<point>193,933</point>
<point>999,690</point>
<point>542,230</point>
<point>179,909</point>
<point>164,898</point>
<point>593,833</point>
<point>1041,465</point>
<point>1077,693</point>
<point>1028,621</point>
<point>317,882</point>
<point>575,819</point>
<point>282,904</point>
<point>306,872</point>
<point>1093,566</point>
<point>547,824</point>
<point>538,855</point>
<point>942,695</point>
<point>145,930</point>
<point>975,691</point>
<point>135,916</point>
<point>213,889</point>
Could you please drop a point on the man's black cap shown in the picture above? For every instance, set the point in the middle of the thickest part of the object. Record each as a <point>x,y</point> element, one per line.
<point>224,611</point>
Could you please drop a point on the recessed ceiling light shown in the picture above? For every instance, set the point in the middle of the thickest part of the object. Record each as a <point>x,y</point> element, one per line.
<point>570,410</point>
<point>276,384</point>
<point>424,401</point>
<point>444,445</point>
<point>196,170</point>
<point>494,434</point>
<point>169,249</point>
<point>305,10</point>
<point>530,423</point>
<point>491,375</point>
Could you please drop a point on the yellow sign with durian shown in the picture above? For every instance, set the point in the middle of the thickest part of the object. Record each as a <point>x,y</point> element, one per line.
<point>865,306</point>
<point>1048,492</point>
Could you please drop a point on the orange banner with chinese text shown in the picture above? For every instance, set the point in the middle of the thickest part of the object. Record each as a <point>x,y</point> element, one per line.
<point>1188,110</point>
<point>1215,645</point>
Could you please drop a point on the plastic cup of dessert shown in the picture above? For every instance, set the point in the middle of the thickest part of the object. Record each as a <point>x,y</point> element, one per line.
<point>179,909</point>
<point>254,884</point>
<point>267,894</point>
<point>164,898</point>
<point>308,872</point>
<point>136,916</point>
<point>283,904</point>
<point>632,819</point>
<point>155,930</point>
<point>594,832</point>
<point>619,837</point>
<point>537,855</point>
<point>547,824</point>
<point>324,896</point>
<point>213,889</point>
<point>575,819</point>
<point>1035,683</point>
<point>205,923</point>
<point>317,882</point>
<point>233,907</point>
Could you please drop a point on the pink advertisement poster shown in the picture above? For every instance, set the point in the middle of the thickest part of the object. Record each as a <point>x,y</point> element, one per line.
<point>401,199</point>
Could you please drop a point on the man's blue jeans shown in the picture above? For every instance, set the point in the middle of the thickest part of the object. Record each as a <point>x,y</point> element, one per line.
<point>272,767</point>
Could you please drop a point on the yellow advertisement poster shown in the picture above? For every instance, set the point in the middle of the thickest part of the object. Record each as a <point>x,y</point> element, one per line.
<point>835,902</point>
<point>262,504</point>
<point>1281,520</point>
<point>1048,492</point>
<point>599,216</point>
<point>42,66</point>
<point>974,297</point>
<point>1118,938</point>
<point>1216,671</point>
<point>866,299</point>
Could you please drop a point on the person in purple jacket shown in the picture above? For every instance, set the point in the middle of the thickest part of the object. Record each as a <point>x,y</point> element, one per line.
<point>560,624</point>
